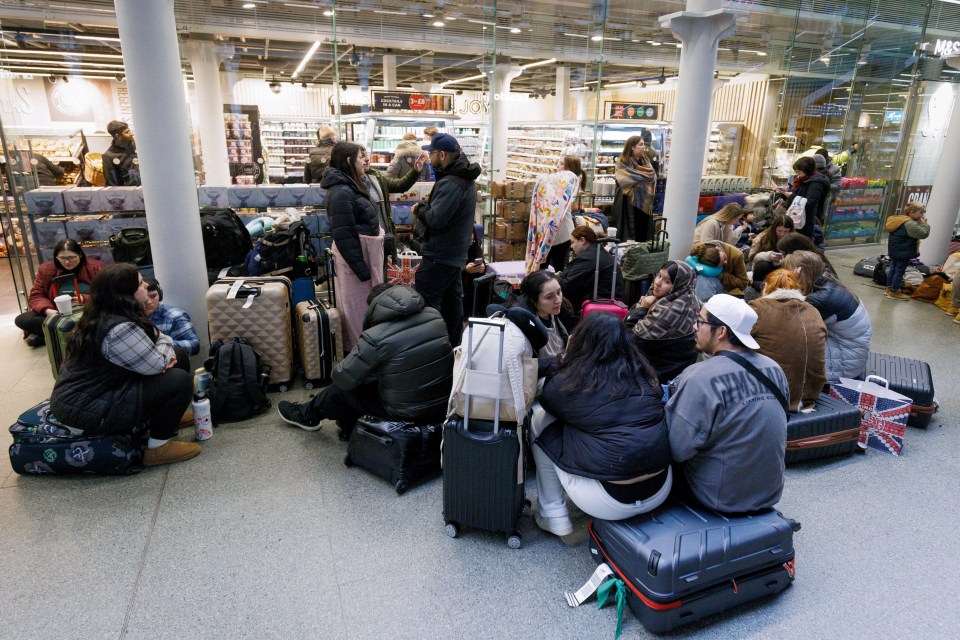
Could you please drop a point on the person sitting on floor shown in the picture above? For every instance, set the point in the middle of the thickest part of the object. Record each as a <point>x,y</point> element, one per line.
<point>542,295</point>
<point>664,320</point>
<point>764,254</point>
<point>600,434</point>
<point>578,277</point>
<point>724,225</point>
<point>68,260</point>
<point>401,368</point>
<point>791,332</point>
<point>720,268</point>
<point>120,371</point>
<point>726,426</point>
<point>169,320</point>
<point>848,323</point>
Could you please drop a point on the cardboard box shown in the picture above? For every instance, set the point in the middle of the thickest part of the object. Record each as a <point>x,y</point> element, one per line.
<point>110,226</point>
<point>499,189</point>
<point>121,199</point>
<point>247,197</point>
<point>528,189</point>
<point>510,231</point>
<point>214,196</point>
<point>504,251</point>
<point>299,194</point>
<point>275,196</point>
<point>45,200</point>
<point>83,229</point>
<point>82,200</point>
<point>317,195</point>
<point>513,210</point>
<point>49,232</point>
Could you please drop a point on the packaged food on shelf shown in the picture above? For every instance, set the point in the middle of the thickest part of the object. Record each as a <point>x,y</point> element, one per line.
<point>82,200</point>
<point>45,200</point>
<point>513,231</point>
<point>504,251</point>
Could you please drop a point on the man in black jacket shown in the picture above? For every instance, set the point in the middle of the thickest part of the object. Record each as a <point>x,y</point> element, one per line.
<point>401,368</point>
<point>121,167</point>
<point>319,155</point>
<point>444,225</point>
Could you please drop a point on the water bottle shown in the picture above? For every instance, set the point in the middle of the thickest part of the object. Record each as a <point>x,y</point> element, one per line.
<point>202,421</point>
<point>201,381</point>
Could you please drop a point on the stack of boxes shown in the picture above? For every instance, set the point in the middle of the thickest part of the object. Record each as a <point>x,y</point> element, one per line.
<point>511,223</point>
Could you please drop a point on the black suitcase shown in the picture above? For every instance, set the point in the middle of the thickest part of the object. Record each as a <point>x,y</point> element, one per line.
<point>399,452</point>
<point>682,563</point>
<point>831,429</point>
<point>911,378</point>
<point>482,468</point>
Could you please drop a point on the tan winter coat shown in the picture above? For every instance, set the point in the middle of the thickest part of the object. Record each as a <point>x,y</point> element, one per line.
<point>791,332</point>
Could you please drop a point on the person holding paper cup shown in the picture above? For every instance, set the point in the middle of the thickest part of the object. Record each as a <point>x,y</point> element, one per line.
<point>69,273</point>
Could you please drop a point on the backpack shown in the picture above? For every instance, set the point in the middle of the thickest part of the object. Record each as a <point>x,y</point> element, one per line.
<point>238,389</point>
<point>797,211</point>
<point>880,271</point>
<point>226,241</point>
<point>277,253</point>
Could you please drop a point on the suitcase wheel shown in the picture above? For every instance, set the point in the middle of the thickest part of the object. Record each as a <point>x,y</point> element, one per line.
<point>527,507</point>
<point>308,385</point>
<point>347,462</point>
<point>282,388</point>
<point>402,487</point>
<point>452,529</point>
<point>514,540</point>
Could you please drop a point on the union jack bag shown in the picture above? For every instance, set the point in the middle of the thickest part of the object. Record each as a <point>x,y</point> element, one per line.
<point>884,412</point>
<point>404,273</point>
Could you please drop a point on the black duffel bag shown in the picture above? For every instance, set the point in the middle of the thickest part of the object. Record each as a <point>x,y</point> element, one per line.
<point>131,245</point>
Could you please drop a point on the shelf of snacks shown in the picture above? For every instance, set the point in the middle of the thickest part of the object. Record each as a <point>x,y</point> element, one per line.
<point>287,143</point>
<point>63,150</point>
<point>857,212</point>
<point>723,149</point>
<point>535,148</point>
<point>382,132</point>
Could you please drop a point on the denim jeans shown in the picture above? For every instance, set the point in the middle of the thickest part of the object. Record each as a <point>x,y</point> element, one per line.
<point>895,273</point>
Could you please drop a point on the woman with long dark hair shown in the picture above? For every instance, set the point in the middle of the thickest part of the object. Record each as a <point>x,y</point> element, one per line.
<point>120,371</point>
<point>636,183</point>
<point>70,272</point>
<point>541,294</point>
<point>357,236</point>
<point>764,253</point>
<point>815,187</point>
<point>600,434</point>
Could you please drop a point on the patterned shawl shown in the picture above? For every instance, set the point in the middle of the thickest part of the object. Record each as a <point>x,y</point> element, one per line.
<point>553,198</point>
<point>673,315</point>
<point>638,182</point>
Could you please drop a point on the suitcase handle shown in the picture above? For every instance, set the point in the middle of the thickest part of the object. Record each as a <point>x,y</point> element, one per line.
<point>881,381</point>
<point>387,442</point>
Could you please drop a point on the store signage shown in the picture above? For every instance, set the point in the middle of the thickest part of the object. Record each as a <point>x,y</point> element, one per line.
<point>946,47</point>
<point>893,116</point>
<point>399,101</point>
<point>633,111</point>
<point>915,193</point>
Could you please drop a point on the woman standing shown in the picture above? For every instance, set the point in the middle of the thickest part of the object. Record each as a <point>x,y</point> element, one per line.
<point>68,260</point>
<point>540,294</point>
<point>357,236</point>
<point>120,371</point>
<point>560,250</point>
<point>636,183</point>
<point>724,226</point>
<point>813,186</point>
<point>600,435</point>
<point>665,320</point>
<point>551,209</point>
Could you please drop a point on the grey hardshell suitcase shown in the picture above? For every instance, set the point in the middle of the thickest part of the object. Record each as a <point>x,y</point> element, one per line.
<point>831,429</point>
<point>911,378</point>
<point>319,340</point>
<point>682,563</point>
<point>483,464</point>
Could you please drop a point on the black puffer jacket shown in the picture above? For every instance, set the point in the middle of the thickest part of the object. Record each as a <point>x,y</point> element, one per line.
<point>352,214</point>
<point>816,189</point>
<point>605,437</point>
<point>576,280</point>
<point>121,168</point>
<point>318,162</point>
<point>445,223</point>
<point>405,348</point>
<point>99,398</point>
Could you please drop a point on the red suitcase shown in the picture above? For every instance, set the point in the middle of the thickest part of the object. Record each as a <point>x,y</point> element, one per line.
<point>596,303</point>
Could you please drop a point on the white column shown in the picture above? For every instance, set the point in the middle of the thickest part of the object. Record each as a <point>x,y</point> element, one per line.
<point>944,200</point>
<point>503,75</point>
<point>700,29</point>
<point>205,60</point>
<point>229,78</point>
<point>151,59</point>
<point>389,72</point>
<point>581,100</point>
<point>561,103</point>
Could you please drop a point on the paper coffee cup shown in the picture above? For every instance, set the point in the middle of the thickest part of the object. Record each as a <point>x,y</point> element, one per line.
<point>64,304</point>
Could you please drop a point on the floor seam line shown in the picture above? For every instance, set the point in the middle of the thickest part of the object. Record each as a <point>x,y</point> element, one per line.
<point>143,556</point>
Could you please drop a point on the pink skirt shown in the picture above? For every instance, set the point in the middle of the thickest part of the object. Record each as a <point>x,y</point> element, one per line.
<point>351,292</point>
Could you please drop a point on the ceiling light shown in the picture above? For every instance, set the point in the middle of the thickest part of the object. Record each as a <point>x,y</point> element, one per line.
<point>580,89</point>
<point>654,43</point>
<point>492,24</point>
<point>629,83</point>
<point>575,35</point>
<point>596,38</point>
<point>459,80</point>
<point>428,15</point>
<point>449,18</point>
<point>538,64</point>
<point>68,54</point>
<point>515,30</point>
<point>249,5</point>
<point>825,59</point>
<point>103,38</point>
<point>63,62</point>
<point>438,23</point>
<point>328,12</point>
<point>312,50</point>
<point>390,12</point>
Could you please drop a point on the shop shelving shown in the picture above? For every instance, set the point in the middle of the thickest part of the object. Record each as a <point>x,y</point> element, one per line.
<point>287,142</point>
<point>856,216</point>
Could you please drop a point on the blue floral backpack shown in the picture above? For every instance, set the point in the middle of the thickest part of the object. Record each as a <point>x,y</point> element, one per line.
<point>42,446</point>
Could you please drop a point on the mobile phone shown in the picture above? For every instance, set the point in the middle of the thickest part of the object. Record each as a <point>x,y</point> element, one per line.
<point>478,261</point>
<point>776,254</point>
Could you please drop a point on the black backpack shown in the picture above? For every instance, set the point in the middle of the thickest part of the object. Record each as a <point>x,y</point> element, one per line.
<point>226,241</point>
<point>278,253</point>
<point>240,381</point>
<point>880,271</point>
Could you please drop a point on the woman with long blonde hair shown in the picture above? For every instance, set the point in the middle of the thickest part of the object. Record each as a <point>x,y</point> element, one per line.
<point>724,225</point>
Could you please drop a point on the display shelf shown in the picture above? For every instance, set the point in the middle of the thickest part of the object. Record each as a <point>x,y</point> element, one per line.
<point>288,142</point>
<point>856,216</point>
<point>63,149</point>
<point>723,149</point>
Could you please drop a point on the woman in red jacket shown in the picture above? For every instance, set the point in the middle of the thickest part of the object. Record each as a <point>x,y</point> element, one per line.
<point>68,260</point>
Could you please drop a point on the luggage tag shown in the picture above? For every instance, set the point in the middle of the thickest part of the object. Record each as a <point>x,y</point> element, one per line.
<point>235,289</point>
<point>583,594</point>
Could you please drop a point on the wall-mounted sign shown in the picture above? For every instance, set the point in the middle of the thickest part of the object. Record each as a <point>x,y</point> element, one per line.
<point>893,116</point>
<point>400,101</point>
<point>915,193</point>
<point>633,111</point>
<point>946,47</point>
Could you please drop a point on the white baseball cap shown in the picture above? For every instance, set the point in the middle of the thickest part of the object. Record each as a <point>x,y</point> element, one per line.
<point>736,314</point>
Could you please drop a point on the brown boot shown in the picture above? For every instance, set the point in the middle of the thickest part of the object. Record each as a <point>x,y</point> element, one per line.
<point>172,451</point>
<point>187,417</point>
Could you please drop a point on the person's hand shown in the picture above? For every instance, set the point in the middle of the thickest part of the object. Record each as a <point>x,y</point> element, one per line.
<point>923,219</point>
<point>647,301</point>
<point>50,312</point>
<point>421,160</point>
<point>776,258</point>
<point>751,235</point>
<point>171,364</point>
<point>476,267</point>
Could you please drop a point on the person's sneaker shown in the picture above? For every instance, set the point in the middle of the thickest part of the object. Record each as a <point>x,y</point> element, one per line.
<point>895,295</point>
<point>295,413</point>
<point>557,525</point>
<point>172,451</point>
<point>952,311</point>
<point>957,319</point>
<point>35,340</point>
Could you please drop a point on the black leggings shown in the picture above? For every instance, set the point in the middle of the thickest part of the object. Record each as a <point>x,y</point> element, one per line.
<point>31,322</point>
<point>557,258</point>
<point>165,397</point>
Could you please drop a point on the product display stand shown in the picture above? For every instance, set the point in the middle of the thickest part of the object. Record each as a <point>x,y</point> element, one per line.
<point>856,214</point>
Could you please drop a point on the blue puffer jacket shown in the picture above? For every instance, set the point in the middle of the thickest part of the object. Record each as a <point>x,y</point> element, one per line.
<point>848,329</point>
<point>605,437</point>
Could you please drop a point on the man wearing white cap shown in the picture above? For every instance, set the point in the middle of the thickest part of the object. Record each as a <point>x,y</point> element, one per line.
<point>727,417</point>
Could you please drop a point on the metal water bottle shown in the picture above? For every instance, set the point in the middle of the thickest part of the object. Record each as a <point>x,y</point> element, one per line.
<point>202,421</point>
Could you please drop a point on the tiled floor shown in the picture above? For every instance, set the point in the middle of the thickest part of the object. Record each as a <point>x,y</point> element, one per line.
<point>268,535</point>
